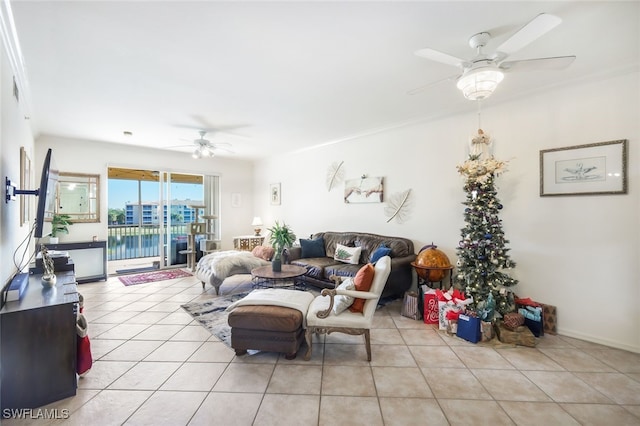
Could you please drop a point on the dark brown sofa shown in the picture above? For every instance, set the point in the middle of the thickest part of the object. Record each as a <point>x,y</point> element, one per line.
<point>320,269</point>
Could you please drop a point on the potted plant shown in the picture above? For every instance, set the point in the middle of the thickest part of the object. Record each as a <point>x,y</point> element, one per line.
<point>59,224</point>
<point>281,237</point>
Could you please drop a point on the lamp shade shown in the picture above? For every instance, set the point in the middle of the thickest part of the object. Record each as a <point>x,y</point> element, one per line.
<point>480,83</point>
<point>256,221</point>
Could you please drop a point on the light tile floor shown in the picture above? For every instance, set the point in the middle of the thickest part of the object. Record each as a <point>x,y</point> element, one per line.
<point>153,365</point>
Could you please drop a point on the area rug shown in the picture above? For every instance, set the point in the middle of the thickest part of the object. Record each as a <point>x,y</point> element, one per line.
<point>150,277</point>
<point>211,314</point>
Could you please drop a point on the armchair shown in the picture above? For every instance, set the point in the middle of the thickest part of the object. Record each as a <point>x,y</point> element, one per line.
<point>321,320</point>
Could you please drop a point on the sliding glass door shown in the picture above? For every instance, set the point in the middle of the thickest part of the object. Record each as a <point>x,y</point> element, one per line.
<point>150,213</point>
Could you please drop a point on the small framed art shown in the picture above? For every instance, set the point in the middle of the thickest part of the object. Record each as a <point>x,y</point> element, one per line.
<point>592,169</point>
<point>274,191</point>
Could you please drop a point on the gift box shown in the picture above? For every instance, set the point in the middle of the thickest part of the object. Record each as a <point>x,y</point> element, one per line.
<point>486,331</point>
<point>410,305</point>
<point>469,328</point>
<point>549,319</point>
<point>532,313</point>
<point>535,326</point>
<point>430,315</point>
<point>520,336</point>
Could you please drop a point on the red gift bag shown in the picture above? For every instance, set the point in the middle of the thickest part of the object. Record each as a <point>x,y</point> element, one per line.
<point>430,307</point>
<point>84,360</point>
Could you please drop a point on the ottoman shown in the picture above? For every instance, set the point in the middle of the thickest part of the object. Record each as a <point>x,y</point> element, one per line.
<point>266,328</point>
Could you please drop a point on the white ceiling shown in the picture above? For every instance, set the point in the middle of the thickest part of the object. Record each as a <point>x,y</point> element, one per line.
<point>282,76</point>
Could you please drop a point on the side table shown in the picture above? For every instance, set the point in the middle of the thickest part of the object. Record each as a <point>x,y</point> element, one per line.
<point>247,242</point>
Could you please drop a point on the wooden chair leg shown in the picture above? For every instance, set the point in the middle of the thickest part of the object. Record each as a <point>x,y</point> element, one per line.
<point>367,341</point>
<point>307,336</point>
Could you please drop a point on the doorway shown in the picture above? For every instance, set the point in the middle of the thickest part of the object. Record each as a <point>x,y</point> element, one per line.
<point>150,212</point>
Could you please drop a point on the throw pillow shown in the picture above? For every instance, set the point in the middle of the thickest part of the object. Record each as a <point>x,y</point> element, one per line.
<point>263,252</point>
<point>381,251</point>
<point>362,281</point>
<point>312,248</point>
<point>340,301</point>
<point>347,254</point>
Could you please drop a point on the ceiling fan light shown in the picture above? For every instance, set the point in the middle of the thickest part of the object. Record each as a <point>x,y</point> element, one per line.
<point>197,153</point>
<point>480,83</point>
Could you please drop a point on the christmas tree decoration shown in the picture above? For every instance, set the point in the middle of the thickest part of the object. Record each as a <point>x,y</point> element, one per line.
<point>483,257</point>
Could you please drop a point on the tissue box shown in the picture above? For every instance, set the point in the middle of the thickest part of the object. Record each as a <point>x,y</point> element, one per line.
<point>469,328</point>
<point>520,336</point>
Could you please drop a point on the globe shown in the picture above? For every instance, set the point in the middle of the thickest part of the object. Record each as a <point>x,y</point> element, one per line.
<point>431,257</point>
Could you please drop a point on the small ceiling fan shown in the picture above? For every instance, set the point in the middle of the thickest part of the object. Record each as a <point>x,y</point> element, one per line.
<point>481,74</point>
<point>206,148</point>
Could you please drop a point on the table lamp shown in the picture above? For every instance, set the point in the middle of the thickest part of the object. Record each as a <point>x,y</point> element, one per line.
<point>257,223</point>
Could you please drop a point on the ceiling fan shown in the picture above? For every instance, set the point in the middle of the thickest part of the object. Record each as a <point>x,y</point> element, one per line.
<point>481,74</point>
<point>206,148</point>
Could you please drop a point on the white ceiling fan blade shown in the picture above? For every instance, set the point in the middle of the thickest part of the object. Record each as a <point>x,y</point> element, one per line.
<point>433,83</point>
<point>556,63</point>
<point>537,27</point>
<point>443,58</point>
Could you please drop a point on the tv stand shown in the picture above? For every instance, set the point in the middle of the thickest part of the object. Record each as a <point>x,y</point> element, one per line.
<point>38,344</point>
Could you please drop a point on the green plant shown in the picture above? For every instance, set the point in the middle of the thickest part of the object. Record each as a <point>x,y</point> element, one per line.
<point>60,224</point>
<point>281,237</point>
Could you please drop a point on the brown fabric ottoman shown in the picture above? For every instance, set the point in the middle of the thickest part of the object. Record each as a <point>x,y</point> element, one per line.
<point>266,328</point>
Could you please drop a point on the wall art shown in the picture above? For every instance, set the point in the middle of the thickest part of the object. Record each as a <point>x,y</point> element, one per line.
<point>399,206</point>
<point>592,169</point>
<point>335,174</point>
<point>363,190</point>
<point>274,191</point>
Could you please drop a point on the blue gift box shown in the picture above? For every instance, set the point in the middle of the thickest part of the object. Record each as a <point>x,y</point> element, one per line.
<point>536,327</point>
<point>469,328</point>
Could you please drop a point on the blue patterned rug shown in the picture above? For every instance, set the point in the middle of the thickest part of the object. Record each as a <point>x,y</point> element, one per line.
<point>211,314</point>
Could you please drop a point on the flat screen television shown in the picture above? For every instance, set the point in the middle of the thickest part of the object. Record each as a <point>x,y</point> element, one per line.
<point>46,194</point>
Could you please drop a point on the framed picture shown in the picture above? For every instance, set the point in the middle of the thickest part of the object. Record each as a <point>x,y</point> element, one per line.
<point>25,183</point>
<point>592,169</point>
<point>274,192</point>
<point>363,190</point>
<point>236,199</point>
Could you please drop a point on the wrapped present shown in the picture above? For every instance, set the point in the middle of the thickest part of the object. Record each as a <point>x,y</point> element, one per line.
<point>430,315</point>
<point>549,319</point>
<point>469,328</point>
<point>451,300</point>
<point>486,331</point>
<point>520,336</point>
<point>512,320</point>
<point>410,305</point>
<point>532,313</point>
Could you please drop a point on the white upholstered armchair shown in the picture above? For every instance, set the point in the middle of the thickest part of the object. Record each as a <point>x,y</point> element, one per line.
<point>321,317</point>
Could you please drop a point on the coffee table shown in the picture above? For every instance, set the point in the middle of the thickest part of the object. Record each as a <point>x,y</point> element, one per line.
<point>264,277</point>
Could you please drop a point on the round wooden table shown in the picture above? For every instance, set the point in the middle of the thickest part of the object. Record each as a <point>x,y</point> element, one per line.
<point>264,277</point>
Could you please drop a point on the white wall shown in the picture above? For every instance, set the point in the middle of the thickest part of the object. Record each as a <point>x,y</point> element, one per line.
<point>82,156</point>
<point>579,253</point>
<point>14,133</point>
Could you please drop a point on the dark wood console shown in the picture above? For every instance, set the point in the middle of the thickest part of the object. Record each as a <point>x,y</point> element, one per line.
<point>90,258</point>
<point>38,344</point>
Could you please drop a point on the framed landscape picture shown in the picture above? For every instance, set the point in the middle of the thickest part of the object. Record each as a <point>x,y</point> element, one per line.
<point>597,168</point>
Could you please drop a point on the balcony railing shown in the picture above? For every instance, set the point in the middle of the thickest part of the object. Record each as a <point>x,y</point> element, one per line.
<point>133,241</point>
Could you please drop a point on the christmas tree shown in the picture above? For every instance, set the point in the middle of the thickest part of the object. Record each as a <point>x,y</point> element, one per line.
<point>482,253</point>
